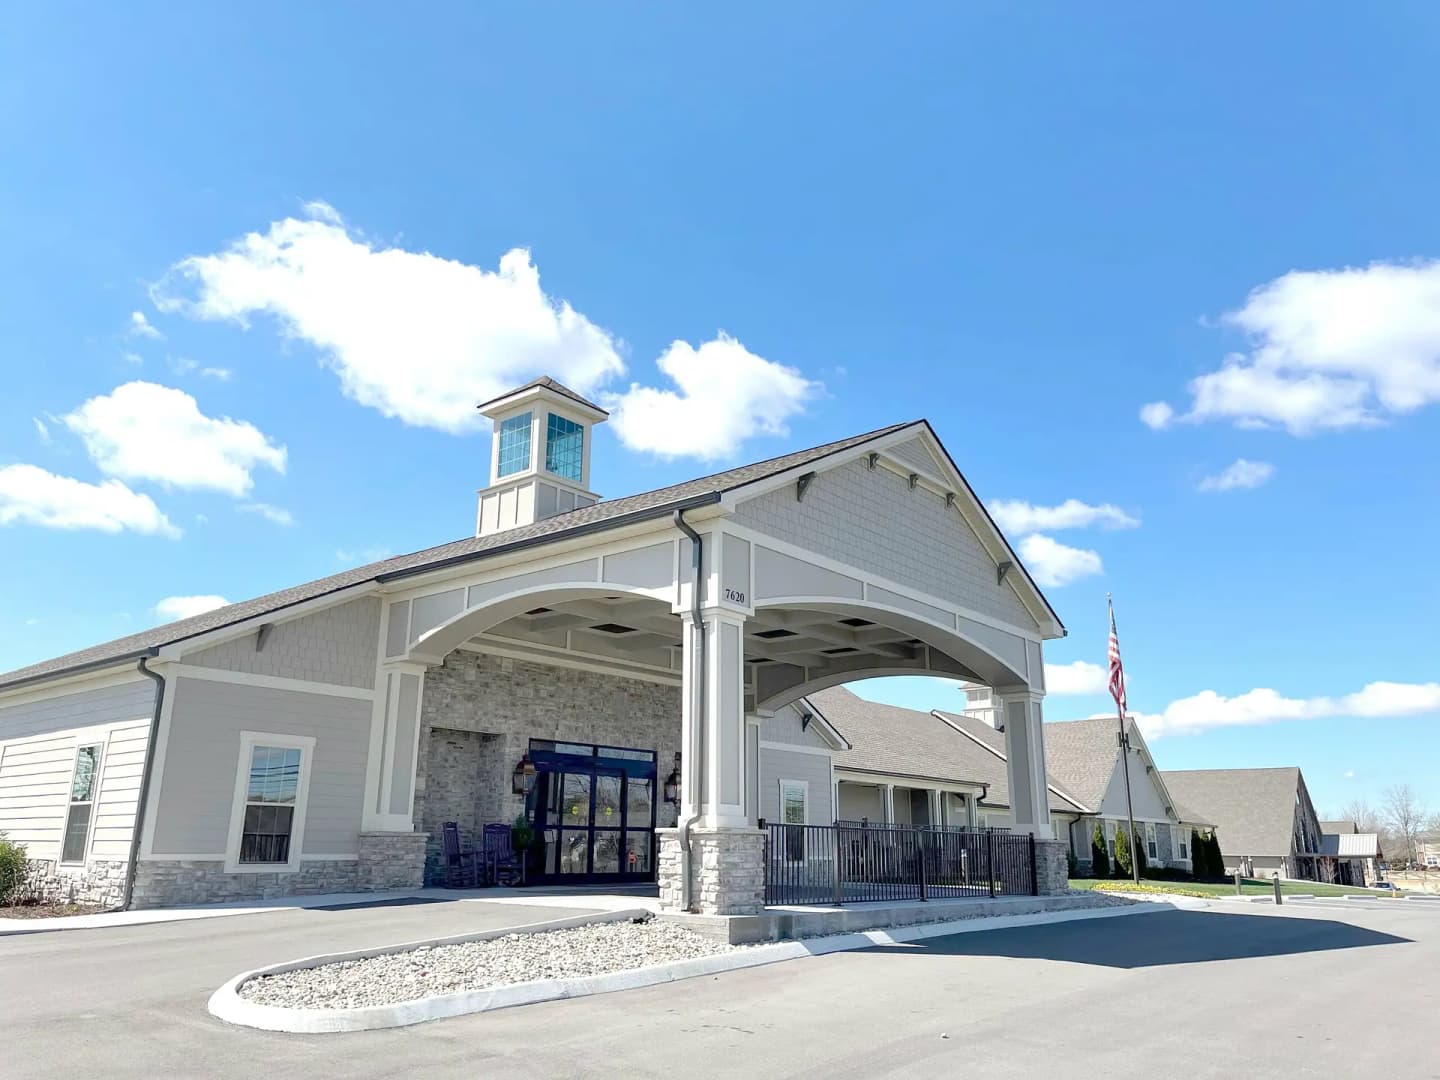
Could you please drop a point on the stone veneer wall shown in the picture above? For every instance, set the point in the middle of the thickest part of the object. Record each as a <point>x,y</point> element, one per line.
<point>479,713</point>
<point>391,860</point>
<point>99,881</point>
<point>727,871</point>
<point>168,884</point>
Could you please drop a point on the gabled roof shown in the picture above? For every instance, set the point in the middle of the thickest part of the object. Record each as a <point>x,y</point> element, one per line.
<point>1339,827</point>
<point>891,741</point>
<point>606,514</point>
<point>1082,755</point>
<point>1253,810</point>
<point>992,742</point>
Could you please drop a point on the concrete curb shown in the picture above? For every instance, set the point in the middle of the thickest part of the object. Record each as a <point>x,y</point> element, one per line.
<point>227,1004</point>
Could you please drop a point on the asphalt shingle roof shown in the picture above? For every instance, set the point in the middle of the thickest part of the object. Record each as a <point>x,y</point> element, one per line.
<point>549,384</point>
<point>906,742</point>
<point>608,513</point>
<point>1081,755</point>
<point>1253,810</point>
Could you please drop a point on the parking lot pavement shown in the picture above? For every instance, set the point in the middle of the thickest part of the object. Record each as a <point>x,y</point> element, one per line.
<point>1213,992</point>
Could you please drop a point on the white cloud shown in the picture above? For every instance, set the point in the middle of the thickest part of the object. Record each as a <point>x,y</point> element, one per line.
<point>1207,709</point>
<point>223,374</point>
<point>725,394</point>
<point>1239,474</point>
<point>1330,349</point>
<point>419,337</point>
<point>143,431</point>
<point>1156,415</point>
<point>183,607</point>
<point>278,514</point>
<point>132,358</point>
<point>31,496</point>
<point>1076,677</point>
<point>320,210</point>
<point>139,326</point>
<point>1019,517</point>
<point>1348,774</point>
<point>41,429</point>
<point>1052,563</point>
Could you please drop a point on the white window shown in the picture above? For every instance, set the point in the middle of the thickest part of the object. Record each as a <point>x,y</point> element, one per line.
<point>1110,838</point>
<point>1152,849</point>
<point>794,812</point>
<point>272,786</point>
<point>80,813</point>
<point>1180,841</point>
<point>794,802</point>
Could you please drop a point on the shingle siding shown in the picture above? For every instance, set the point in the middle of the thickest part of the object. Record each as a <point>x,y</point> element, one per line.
<point>870,519</point>
<point>202,753</point>
<point>813,769</point>
<point>337,645</point>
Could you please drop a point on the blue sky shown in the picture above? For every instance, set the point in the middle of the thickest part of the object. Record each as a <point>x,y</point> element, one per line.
<point>1023,225</point>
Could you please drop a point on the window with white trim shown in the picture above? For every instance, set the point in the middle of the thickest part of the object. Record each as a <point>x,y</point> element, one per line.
<point>794,812</point>
<point>1110,838</point>
<point>1152,847</point>
<point>271,796</point>
<point>513,454</point>
<point>1180,841</point>
<point>81,810</point>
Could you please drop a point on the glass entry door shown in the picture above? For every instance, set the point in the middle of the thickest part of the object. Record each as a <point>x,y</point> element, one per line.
<point>594,811</point>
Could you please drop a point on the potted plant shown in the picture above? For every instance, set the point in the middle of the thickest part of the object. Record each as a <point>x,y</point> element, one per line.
<point>526,844</point>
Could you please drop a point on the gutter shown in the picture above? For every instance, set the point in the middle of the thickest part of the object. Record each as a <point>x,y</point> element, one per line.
<point>145,776</point>
<point>697,550</point>
<point>649,513</point>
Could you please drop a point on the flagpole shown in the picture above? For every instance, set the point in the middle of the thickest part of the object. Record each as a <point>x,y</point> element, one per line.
<point>1125,764</point>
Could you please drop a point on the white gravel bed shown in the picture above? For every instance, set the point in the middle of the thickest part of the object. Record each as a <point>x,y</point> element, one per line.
<point>477,965</point>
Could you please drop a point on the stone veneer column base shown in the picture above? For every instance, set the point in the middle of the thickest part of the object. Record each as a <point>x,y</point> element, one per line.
<point>392,860</point>
<point>727,871</point>
<point>1052,868</point>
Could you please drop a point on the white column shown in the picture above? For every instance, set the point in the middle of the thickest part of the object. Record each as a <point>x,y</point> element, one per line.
<point>887,804</point>
<point>935,800</point>
<point>972,818</point>
<point>1025,765</point>
<point>394,749</point>
<point>713,719</point>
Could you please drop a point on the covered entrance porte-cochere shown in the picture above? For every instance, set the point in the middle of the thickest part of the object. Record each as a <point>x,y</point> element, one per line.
<point>593,812</point>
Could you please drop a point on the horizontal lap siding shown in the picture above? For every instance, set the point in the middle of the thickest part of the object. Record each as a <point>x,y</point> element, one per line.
<point>37,758</point>
<point>777,765</point>
<point>203,751</point>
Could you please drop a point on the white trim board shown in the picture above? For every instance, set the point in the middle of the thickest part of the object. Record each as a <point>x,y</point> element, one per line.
<point>270,682</point>
<point>249,740</point>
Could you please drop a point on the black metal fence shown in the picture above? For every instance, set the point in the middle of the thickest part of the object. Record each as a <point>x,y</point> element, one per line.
<point>858,863</point>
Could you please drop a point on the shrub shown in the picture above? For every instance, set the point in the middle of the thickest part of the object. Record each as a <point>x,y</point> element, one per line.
<point>1199,863</point>
<point>1142,857</point>
<point>1072,864</point>
<point>14,870</point>
<point>1099,857</point>
<point>1124,864</point>
<point>1217,860</point>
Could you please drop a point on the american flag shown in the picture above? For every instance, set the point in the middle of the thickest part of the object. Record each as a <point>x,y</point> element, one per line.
<point>1117,670</point>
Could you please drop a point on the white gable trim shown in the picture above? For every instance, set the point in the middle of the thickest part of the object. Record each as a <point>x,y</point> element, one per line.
<point>972,512</point>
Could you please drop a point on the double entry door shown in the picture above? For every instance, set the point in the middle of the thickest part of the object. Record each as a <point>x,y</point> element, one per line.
<point>594,812</point>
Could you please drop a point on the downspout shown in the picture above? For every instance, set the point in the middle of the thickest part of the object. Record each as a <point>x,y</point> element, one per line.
<point>698,705</point>
<point>144,782</point>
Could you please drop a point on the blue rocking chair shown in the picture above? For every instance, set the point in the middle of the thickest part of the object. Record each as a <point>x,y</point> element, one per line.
<point>503,866</point>
<point>461,868</point>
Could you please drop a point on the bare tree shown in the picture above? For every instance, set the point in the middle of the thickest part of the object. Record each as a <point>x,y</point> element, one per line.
<point>1362,814</point>
<point>1405,816</point>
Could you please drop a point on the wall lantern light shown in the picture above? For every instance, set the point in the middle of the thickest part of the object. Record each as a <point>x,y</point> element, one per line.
<point>523,779</point>
<point>672,783</point>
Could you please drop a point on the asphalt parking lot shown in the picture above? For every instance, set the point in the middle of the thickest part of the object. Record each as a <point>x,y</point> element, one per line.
<point>1332,988</point>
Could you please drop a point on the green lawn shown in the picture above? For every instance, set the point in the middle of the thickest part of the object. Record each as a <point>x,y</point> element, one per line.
<point>1249,887</point>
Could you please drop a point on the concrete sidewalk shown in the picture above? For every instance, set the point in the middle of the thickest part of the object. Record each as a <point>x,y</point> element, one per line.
<point>589,899</point>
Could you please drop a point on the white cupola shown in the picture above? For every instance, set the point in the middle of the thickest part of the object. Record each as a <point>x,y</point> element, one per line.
<point>539,455</point>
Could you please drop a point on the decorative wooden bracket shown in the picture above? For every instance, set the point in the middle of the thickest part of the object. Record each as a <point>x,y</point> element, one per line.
<point>802,485</point>
<point>1001,569</point>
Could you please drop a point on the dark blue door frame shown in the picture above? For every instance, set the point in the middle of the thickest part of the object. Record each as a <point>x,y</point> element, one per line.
<point>552,764</point>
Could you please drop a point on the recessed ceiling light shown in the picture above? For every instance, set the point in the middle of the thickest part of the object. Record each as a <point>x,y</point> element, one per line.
<point>775,633</point>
